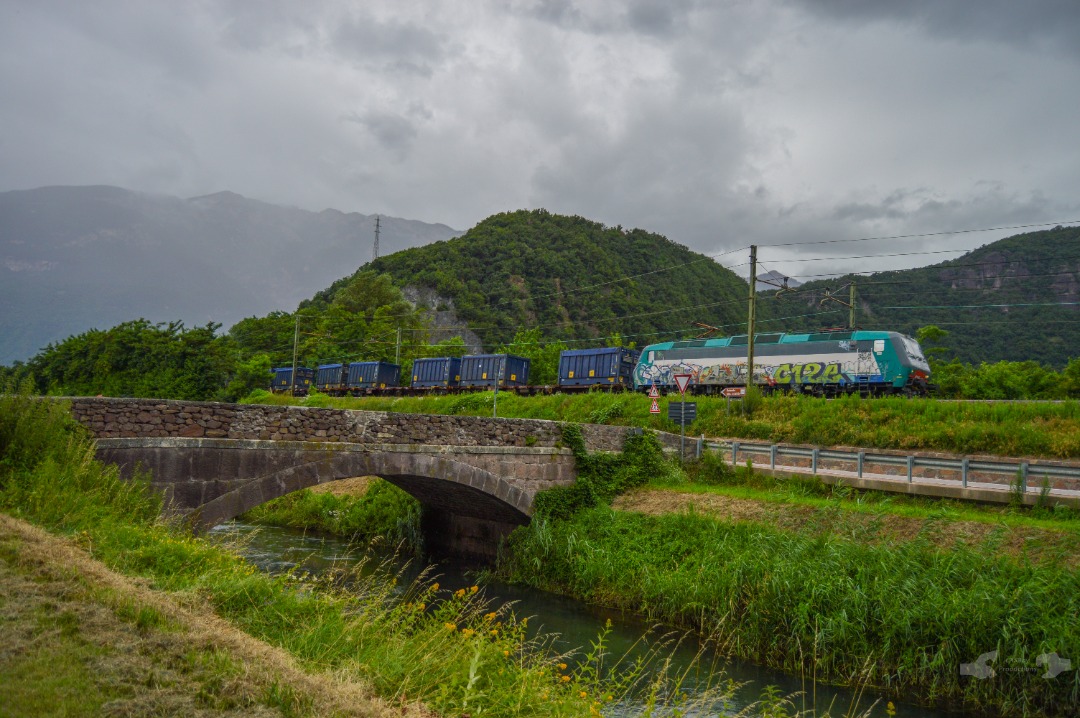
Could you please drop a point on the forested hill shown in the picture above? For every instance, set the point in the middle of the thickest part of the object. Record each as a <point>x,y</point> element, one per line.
<point>1015,300</point>
<point>569,277</point>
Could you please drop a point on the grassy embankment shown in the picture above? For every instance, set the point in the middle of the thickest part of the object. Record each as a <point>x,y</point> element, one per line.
<point>832,584</point>
<point>1044,430</point>
<point>446,650</point>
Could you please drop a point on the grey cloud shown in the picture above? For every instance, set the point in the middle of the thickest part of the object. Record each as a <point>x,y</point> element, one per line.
<point>393,132</point>
<point>660,18</point>
<point>1028,23</point>
<point>393,45</point>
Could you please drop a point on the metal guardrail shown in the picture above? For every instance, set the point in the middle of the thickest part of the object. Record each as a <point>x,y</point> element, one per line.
<point>964,466</point>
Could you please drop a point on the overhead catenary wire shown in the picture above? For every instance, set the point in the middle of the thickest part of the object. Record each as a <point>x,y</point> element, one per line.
<point>924,234</point>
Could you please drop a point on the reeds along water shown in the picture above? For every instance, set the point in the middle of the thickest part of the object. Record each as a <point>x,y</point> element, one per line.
<point>901,616</point>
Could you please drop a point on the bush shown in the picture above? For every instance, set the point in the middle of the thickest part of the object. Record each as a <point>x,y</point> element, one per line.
<point>601,477</point>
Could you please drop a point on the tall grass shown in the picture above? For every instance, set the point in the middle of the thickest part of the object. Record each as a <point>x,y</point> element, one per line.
<point>1050,430</point>
<point>901,617</point>
<point>421,642</point>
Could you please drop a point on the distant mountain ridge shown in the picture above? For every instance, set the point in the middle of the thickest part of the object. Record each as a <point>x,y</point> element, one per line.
<point>76,258</point>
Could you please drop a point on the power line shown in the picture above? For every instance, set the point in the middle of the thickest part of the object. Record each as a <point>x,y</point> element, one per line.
<point>873,256</point>
<point>990,306</point>
<point>925,234</point>
<point>938,267</point>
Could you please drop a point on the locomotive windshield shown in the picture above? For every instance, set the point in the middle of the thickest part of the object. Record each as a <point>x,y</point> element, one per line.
<point>914,353</point>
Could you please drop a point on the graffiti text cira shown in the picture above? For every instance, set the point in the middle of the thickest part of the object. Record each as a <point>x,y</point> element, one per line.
<point>809,373</point>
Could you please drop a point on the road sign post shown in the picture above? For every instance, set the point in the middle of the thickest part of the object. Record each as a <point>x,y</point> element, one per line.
<point>682,412</point>
<point>682,381</point>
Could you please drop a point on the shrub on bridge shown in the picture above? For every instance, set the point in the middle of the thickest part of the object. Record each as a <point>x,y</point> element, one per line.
<point>603,476</point>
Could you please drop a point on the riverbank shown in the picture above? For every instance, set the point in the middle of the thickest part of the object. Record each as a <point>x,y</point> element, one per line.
<point>418,647</point>
<point>856,588</point>
<point>1030,429</point>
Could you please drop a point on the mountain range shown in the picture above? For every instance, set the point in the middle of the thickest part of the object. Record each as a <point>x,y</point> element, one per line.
<point>1016,299</point>
<point>77,258</point>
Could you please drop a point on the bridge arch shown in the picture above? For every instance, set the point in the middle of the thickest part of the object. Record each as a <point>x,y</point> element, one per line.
<point>437,482</point>
<point>466,508</point>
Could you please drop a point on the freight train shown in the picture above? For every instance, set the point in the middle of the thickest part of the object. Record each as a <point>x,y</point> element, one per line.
<point>608,368</point>
<point>827,363</point>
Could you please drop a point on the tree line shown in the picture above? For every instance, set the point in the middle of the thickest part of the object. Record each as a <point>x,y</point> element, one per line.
<point>361,321</point>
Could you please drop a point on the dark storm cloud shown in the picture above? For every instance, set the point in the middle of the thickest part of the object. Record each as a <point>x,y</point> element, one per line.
<point>1030,22</point>
<point>717,124</point>
<point>659,18</point>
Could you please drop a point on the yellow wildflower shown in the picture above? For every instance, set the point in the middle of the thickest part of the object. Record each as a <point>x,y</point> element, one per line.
<point>506,654</point>
<point>489,616</point>
<point>562,666</point>
<point>434,587</point>
<point>494,631</point>
<point>474,589</point>
<point>565,679</point>
<point>451,626</point>
<point>467,632</point>
<point>421,606</point>
<point>459,593</point>
<point>582,694</point>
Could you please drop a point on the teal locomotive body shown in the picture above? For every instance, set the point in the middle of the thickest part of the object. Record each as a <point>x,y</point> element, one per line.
<point>825,363</point>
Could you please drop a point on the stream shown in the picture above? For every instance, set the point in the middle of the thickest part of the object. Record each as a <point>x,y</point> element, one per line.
<point>277,550</point>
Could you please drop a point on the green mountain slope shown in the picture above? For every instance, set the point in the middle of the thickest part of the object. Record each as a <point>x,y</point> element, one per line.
<point>567,276</point>
<point>1015,300</point>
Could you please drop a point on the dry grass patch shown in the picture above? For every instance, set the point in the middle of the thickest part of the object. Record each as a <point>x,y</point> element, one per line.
<point>356,486</point>
<point>77,632</point>
<point>870,527</point>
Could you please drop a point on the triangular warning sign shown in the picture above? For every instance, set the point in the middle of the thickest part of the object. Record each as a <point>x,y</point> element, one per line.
<point>682,381</point>
<point>655,408</point>
<point>654,393</point>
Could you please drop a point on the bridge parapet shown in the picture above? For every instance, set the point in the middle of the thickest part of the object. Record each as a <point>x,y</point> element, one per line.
<point>109,418</point>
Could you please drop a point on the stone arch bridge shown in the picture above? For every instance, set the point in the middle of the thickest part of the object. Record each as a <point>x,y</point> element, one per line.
<point>474,476</point>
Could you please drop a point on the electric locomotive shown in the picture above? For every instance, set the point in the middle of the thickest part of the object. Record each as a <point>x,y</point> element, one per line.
<point>826,363</point>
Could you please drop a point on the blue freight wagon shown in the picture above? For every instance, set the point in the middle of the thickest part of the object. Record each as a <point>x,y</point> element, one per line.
<point>485,369</point>
<point>610,367</point>
<point>436,372</point>
<point>282,382</point>
<point>364,375</point>
<point>331,379</point>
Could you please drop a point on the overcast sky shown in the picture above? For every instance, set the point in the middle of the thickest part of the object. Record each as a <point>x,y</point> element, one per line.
<point>717,124</point>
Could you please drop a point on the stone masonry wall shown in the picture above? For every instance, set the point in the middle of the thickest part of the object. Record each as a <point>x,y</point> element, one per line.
<point>120,418</point>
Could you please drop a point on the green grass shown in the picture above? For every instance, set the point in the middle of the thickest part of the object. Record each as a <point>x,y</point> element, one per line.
<point>713,475</point>
<point>901,617</point>
<point>1042,429</point>
<point>447,649</point>
<point>383,512</point>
